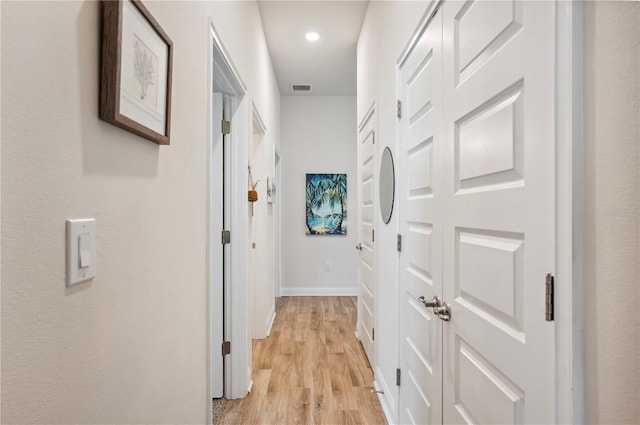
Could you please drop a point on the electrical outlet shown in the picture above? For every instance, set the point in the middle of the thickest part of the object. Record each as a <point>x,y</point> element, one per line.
<point>327,266</point>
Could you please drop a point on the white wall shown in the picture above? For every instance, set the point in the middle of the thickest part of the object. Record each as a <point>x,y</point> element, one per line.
<point>318,136</point>
<point>612,212</point>
<point>385,32</point>
<point>130,346</point>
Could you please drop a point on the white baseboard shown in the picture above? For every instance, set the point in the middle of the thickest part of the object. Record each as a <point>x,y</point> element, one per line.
<point>318,292</point>
<point>273,318</point>
<point>386,400</point>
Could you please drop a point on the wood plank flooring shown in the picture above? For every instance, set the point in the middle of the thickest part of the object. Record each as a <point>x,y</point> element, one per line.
<point>311,369</point>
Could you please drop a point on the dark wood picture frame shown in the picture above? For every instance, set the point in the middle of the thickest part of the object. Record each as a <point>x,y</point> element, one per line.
<point>110,86</point>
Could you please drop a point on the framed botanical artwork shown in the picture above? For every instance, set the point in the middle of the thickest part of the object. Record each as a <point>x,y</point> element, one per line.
<point>135,92</point>
<point>326,204</point>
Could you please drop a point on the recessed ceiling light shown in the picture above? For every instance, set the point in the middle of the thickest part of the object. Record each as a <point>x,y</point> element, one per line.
<point>312,36</point>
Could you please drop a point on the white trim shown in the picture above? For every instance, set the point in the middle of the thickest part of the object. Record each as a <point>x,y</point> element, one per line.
<point>273,319</point>
<point>319,292</point>
<point>569,214</point>
<point>258,123</point>
<point>385,409</point>
<point>250,383</point>
<point>422,26</point>
<point>209,85</point>
<point>215,284</point>
<point>386,400</point>
<point>221,67</point>
<point>367,116</point>
<point>223,60</point>
<point>240,336</point>
<point>277,174</point>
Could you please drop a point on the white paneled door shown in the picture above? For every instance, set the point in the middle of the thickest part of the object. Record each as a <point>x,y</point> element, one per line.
<point>421,228</point>
<point>477,215</point>
<point>499,203</point>
<point>366,284</point>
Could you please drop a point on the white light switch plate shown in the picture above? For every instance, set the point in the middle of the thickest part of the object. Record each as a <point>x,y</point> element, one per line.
<point>81,250</point>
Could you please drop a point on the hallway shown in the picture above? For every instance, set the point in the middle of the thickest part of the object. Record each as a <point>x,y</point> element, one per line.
<point>310,370</point>
<point>486,159</point>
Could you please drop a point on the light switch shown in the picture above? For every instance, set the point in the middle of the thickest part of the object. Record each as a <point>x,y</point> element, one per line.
<point>81,250</point>
<point>84,250</point>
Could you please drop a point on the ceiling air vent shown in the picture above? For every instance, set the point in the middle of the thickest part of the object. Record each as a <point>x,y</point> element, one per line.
<point>301,87</point>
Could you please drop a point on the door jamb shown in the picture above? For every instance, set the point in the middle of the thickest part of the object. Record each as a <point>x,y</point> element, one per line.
<point>569,212</point>
<point>277,200</point>
<point>220,67</point>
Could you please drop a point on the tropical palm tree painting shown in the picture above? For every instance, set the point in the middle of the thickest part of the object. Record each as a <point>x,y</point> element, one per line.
<point>326,200</point>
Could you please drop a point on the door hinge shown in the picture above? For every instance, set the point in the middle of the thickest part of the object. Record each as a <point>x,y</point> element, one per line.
<point>226,348</point>
<point>399,244</point>
<point>373,334</point>
<point>226,237</point>
<point>398,377</point>
<point>548,302</point>
<point>399,108</point>
<point>373,235</point>
<point>226,127</point>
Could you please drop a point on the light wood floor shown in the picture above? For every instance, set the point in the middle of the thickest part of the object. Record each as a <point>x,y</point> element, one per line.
<point>311,369</point>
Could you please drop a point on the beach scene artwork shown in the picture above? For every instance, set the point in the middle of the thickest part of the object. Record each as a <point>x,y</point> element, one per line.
<point>326,200</point>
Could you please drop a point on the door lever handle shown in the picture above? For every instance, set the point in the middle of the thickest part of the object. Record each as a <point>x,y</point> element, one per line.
<point>443,312</point>
<point>432,303</point>
<point>440,308</point>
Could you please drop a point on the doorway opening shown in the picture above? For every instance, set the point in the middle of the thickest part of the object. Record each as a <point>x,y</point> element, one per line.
<point>228,343</point>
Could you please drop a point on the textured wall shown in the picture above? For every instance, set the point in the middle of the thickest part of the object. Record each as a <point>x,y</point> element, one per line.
<point>612,212</point>
<point>318,136</point>
<point>130,346</point>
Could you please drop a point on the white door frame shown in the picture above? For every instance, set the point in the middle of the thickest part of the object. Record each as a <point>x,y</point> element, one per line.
<point>569,213</point>
<point>238,364</point>
<point>277,177</point>
<point>569,167</point>
<point>215,252</point>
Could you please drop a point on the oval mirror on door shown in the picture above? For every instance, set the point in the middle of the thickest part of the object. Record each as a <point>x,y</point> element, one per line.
<point>387,185</point>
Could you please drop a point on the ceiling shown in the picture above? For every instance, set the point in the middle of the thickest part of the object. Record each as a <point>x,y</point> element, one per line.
<point>329,64</point>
